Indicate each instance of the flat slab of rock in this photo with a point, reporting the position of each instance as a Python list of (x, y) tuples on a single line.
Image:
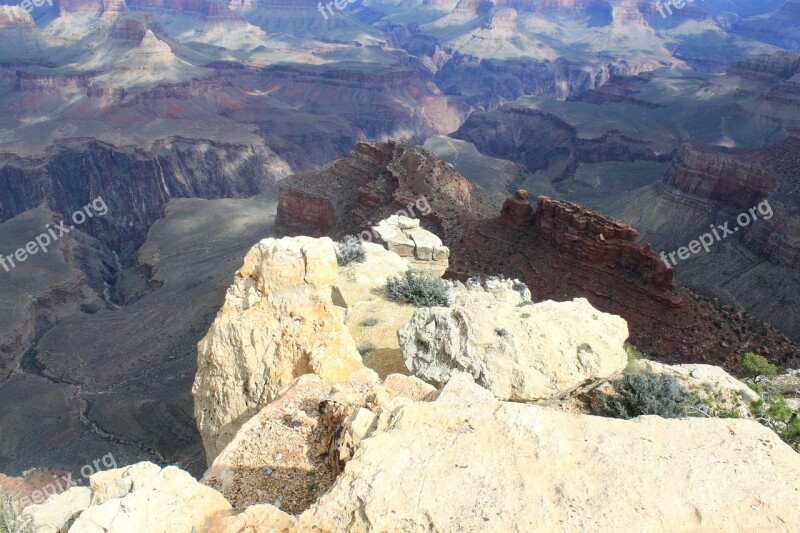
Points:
[(497, 466), (518, 350)]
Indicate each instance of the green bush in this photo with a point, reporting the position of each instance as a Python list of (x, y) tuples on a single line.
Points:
[(369, 322), (634, 354), (350, 250), (418, 289), (773, 411), (645, 393), (756, 365), (9, 521)]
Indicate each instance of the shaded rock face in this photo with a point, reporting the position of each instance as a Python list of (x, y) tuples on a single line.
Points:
[(715, 175), (374, 182), (278, 322), (594, 238), (523, 467), (136, 184), (518, 350)]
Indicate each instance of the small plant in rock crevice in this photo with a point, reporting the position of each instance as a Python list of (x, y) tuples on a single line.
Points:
[(350, 250)]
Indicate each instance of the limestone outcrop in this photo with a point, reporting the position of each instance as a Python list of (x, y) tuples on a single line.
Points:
[(141, 497), (278, 322), (499, 466), (517, 349), (293, 449), (421, 249), (463, 461)]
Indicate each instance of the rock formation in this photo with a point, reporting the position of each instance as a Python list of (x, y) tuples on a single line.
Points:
[(421, 249), (566, 255), (293, 449), (593, 238), (278, 322), (517, 212), (464, 464), (515, 466), (518, 350)]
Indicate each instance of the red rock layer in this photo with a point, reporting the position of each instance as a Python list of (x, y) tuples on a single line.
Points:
[(563, 251)]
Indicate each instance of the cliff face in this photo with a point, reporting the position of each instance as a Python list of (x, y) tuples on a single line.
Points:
[(372, 183), (558, 150), (594, 238), (136, 184), (716, 175)]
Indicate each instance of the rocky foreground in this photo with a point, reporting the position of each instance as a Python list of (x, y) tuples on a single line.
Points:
[(492, 433)]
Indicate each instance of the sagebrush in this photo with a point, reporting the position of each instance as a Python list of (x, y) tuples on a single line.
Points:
[(645, 393), (419, 289), (350, 250)]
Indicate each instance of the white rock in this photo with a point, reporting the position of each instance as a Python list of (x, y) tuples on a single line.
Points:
[(278, 322), (519, 352), (498, 466), (57, 514)]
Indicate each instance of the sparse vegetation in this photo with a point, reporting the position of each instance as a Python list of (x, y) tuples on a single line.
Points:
[(756, 365), (350, 250), (366, 348), (369, 322), (773, 411), (645, 393), (9, 521), (633, 352), (419, 289), (714, 404), (501, 332)]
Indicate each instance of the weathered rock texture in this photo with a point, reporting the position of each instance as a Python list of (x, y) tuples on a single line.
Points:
[(466, 462), (141, 497), (549, 469), (518, 350), (293, 449), (616, 275), (517, 212), (278, 322), (420, 248), (374, 182)]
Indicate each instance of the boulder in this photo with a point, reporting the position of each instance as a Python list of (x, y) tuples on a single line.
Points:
[(420, 248), (145, 497), (488, 465), (278, 322), (518, 350), (58, 513)]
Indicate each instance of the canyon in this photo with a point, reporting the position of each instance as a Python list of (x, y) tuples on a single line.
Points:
[(206, 124)]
